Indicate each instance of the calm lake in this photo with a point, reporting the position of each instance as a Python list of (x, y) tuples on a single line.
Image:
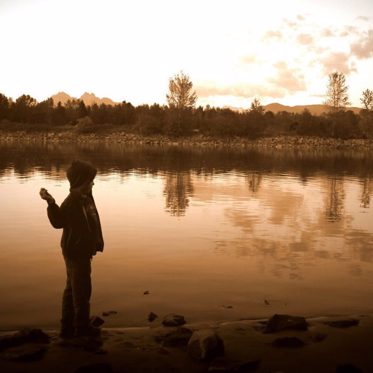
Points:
[(210, 234)]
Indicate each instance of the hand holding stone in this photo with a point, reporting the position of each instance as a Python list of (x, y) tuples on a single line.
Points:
[(46, 196)]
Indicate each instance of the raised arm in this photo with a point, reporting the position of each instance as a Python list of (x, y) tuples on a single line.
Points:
[(55, 213)]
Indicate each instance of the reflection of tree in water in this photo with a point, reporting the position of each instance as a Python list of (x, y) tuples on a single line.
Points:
[(254, 180), (366, 192), (178, 188), (335, 199)]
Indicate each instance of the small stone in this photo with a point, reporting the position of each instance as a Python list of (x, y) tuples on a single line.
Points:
[(173, 319), (205, 344), (228, 307), (266, 302), (152, 316), (95, 368), (346, 323), (288, 342), (109, 313), (285, 322), (146, 292)]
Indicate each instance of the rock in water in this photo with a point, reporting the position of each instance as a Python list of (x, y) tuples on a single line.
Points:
[(205, 344), (109, 313), (285, 322), (152, 316), (173, 320)]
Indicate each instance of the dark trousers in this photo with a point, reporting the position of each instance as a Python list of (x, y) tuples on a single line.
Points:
[(76, 296)]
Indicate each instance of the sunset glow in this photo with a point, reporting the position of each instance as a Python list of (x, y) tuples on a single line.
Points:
[(233, 51)]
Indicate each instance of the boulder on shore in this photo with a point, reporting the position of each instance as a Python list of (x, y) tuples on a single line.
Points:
[(205, 344), (285, 322), (176, 338), (173, 319)]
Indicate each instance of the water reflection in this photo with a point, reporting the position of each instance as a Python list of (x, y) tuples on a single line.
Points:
[(223, 225), (254, 180), (367, 188), (178, 189), (335, 199)]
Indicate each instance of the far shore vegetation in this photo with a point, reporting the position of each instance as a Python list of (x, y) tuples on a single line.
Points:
[(181, 117)]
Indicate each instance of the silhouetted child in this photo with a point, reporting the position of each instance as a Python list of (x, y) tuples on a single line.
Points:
[(81, 239)]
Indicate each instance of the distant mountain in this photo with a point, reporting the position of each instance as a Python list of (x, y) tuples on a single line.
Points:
[(88, 98), (313, 109), (61, 97)]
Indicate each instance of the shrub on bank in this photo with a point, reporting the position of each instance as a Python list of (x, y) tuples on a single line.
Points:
[(27, 114)]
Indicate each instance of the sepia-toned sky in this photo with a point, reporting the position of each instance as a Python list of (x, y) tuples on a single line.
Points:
[(233, 50)]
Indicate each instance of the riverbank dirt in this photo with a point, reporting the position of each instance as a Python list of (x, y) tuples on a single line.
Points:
[(279, 142), (329, 344)]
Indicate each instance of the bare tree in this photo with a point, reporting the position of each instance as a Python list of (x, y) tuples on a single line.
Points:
[(181, 95), (367, 99), (256, 106), (337, 94)]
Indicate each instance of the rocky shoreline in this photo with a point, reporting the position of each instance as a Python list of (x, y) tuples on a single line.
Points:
[(279, 142), (282, 343)]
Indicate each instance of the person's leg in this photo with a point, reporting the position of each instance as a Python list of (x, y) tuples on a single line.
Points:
[(81, 291), (67, 320)]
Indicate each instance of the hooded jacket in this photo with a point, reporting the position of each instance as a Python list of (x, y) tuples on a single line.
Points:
[(82, 235)]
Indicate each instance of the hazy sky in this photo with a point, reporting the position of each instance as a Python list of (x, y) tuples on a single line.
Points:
[(233, 50)]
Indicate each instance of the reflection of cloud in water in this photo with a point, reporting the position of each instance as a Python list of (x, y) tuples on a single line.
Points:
[(287, 227), (361, 244)]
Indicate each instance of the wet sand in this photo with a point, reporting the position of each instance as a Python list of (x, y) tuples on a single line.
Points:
[(246, 349)]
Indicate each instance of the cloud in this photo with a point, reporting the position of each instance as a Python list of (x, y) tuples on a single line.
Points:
[(305, 39), (291, 24), (250, 59), (362, 18), (338, 61), (363, 48), (329, 33), (272, 34), (240, 90), (289, 79), (348, 31), (286, 81)]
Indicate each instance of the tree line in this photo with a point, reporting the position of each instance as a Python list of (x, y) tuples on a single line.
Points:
[(181, 117)]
